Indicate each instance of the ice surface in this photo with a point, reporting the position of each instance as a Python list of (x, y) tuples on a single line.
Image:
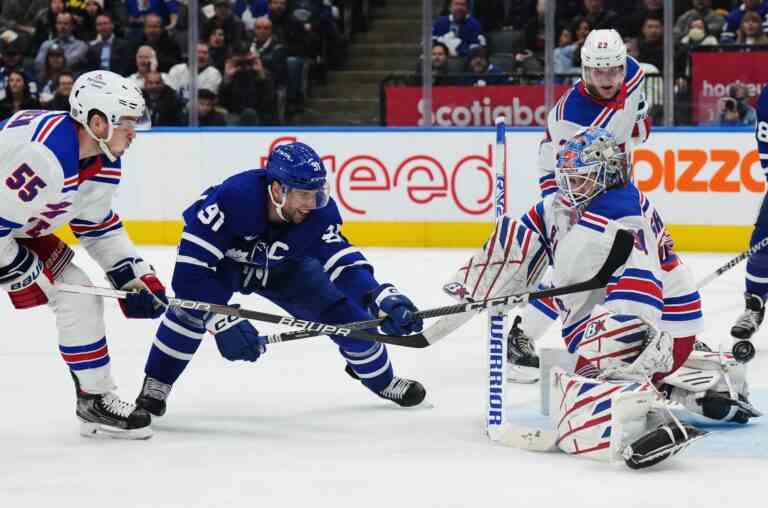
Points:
[(294, 430)]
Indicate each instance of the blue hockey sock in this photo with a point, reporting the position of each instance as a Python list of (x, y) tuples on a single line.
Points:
[(176, 341), (372, 366)]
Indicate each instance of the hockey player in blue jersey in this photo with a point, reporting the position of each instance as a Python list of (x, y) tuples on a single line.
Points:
[(276, 233), (757, 265), (62, 168)]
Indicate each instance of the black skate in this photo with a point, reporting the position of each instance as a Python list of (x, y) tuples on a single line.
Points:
[(659, 444), (153, 395), (401, 391), (107, 414), (521, 356), (750, 320)]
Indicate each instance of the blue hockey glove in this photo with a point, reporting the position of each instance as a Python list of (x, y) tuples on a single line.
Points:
[(399, 310), (147, 298), (236, 338), (241, 277)]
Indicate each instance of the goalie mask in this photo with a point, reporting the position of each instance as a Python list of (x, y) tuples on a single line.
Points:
[(302, 178), (589, 164)]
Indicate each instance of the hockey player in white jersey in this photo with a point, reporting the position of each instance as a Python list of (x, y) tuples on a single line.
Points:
[(610, 96), (627, 355), (59, 168)]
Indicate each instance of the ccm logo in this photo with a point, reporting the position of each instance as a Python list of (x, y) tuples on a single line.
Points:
[(697, 171)]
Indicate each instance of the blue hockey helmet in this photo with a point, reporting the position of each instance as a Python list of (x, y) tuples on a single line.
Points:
[(298, 167), (588, 164)]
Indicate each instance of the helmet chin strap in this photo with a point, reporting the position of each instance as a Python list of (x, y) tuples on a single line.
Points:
[(278, 207), (102, 142)]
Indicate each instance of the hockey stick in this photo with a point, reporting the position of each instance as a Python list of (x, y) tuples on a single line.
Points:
[(733, 262), (618, 255), (620, 250)]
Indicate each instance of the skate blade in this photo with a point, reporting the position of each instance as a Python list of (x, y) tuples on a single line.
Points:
[(97, 430), (522, 375)]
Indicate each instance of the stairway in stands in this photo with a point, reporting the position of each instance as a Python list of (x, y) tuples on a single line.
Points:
[(391, 45)]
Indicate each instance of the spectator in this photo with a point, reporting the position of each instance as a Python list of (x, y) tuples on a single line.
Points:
[(734, 18), (223, 18), (599, 17), (459, 31), (85, 28), (55, 64), (217, 49), (567, 56), (207, 115), (60, 101), (208, 76), (155, 36), (633, 23), (750, 33), (162, 102), (496, 15), (734, 110), (146, 62), (246, 91), (480, 72), (440, 69), (698, 34), (700, 9), (138, 10), (12, 59), (18, 16), (17, 96), (74, 49), (45, 24), (294, 35), (651, 44), (272, 52), (249, 11), (108, 51)]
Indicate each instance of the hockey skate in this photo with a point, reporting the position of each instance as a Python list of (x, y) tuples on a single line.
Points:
[(659, 444), (523, 363), (153, 395), (401, 391), (106, 414), (749, 322)]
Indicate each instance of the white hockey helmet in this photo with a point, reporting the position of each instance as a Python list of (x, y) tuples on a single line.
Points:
[(603, 48), (111, 95)]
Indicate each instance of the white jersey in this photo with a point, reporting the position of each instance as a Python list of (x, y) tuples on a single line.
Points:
[(653, 284), (45, 186), (624, 117)]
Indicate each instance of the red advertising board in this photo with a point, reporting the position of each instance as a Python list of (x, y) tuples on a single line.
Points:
[(469, 106), (712, 74)]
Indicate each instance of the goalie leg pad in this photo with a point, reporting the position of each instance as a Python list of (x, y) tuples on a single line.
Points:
[(595, 419)]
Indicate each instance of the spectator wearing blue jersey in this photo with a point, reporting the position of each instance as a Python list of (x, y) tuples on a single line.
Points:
[(250, 10), (459, 31), (734, 18), (168, 10), (480, 72)]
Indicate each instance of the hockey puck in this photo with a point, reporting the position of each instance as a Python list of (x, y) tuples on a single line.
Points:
[(743, 351)]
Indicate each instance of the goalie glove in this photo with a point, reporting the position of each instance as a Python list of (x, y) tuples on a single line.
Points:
[(236, 338), (146, 299), (27, 280)]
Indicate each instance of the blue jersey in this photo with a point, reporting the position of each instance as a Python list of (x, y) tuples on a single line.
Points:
[(231, 220), (761, 130)]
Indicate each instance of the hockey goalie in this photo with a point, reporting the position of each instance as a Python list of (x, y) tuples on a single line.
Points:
[(630, 362)]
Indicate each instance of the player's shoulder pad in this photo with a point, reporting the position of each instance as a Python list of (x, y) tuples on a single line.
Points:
[(617, 203), (243, 197), (32, 176), (634, 77), (58, 132)]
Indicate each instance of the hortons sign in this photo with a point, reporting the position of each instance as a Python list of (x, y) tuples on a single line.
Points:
[(469, 106)]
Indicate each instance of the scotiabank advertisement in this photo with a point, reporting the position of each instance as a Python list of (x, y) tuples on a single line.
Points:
[(712, 74), (469, 106)]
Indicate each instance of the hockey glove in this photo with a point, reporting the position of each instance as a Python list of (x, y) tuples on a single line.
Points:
[(236, 338), (147, 298), (27, 280), (400, 319)]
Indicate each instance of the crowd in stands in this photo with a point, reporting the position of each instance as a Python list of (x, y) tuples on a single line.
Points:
[(480, 42), (255, 57)]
